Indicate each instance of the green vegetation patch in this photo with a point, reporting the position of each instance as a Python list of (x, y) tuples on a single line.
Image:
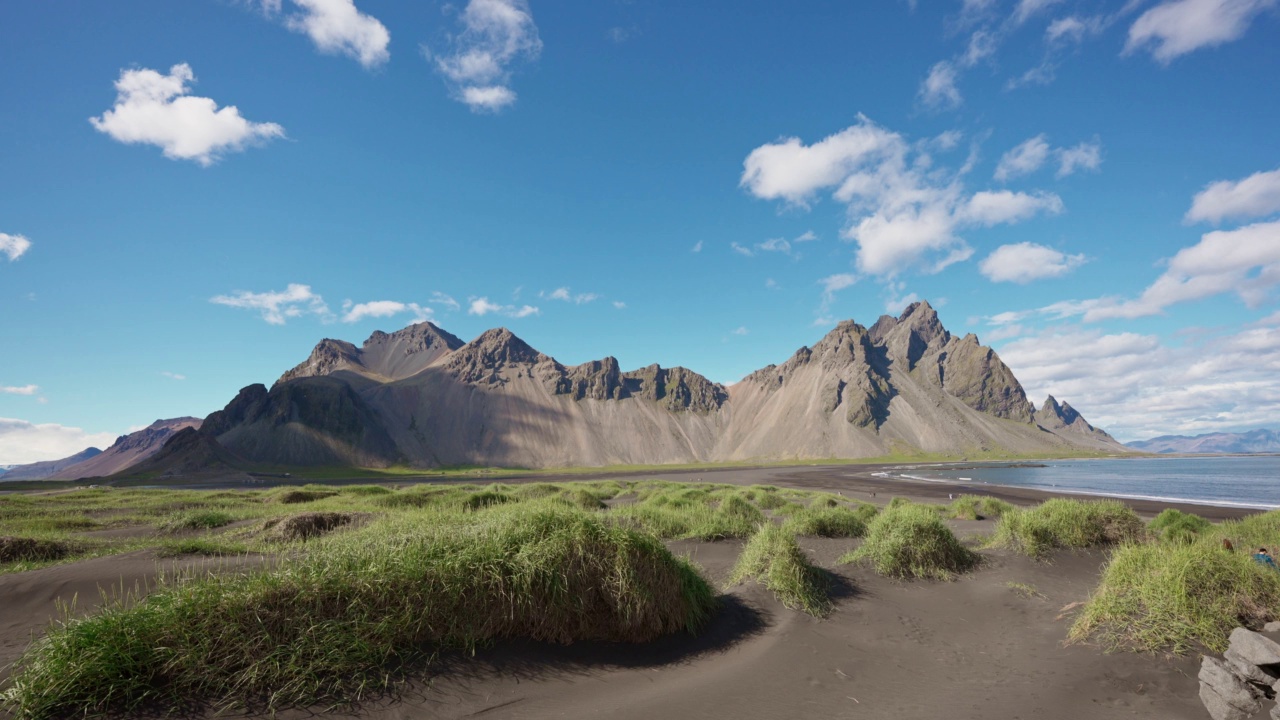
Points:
[(197, 520), (773, 557), (341, 622), (831, 522), (24, 549), (307, 525), (1176, 526), (911, 541), (199, 546), (293, 497), (1062, 523), (1171, 596), (975, 507)]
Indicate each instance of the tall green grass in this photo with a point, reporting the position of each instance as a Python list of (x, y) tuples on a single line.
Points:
[(773, 558), (337, 624), (1173, 525), (1062, 523), (1176, 596), (911, 541)]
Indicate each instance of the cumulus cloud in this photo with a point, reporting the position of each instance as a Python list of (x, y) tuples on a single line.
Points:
[(1255, 196), (481, 306), (1024, 159), (1024, 262), (1178, 27), (355, 312), (1085, 156), (13, 246), (938, 89), (276, 307), (24, 442), (902, 212), (155, 109), (1135, 386), (337, 27), (19, 389), (1244, 261), (495, 35)]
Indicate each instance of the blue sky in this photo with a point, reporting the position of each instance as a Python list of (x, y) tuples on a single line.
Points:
[(195, 193)]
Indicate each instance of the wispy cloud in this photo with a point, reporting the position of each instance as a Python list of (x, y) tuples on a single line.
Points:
[(481, 306), (563, 294), (173, 375), (495, 35), (24, 442), (19, 389), (337, 27), (155, 109), (276, 307), (13, 246)]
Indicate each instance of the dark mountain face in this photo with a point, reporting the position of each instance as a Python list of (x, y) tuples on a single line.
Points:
[(422, 397)]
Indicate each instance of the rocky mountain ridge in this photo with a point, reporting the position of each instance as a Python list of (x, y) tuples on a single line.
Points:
[(421, 397), (1254, 441)]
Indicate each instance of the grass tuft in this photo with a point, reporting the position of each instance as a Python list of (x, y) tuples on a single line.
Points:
[(1173, 525), (909, 541), (307, 525), (1062, 523), (836, 522), (1174, 596), (199, 546), (21, 549), (292, 497), (773, 557), (197, 520)]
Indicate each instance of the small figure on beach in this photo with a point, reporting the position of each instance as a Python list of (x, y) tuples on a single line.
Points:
[(1226, 545), (1264, 558)]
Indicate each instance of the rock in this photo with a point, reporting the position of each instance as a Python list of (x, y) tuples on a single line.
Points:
[(1219, 682), (1273, 626), (1248, 670), (1254, 648), (1218, 707), (1275, 713)]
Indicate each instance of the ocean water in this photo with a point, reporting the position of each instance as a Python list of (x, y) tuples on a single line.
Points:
[(1251, 481)]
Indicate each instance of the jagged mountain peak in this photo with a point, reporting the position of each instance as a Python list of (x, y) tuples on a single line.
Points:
[(426, 334), (384, 355)]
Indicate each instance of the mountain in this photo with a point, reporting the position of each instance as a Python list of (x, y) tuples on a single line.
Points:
[(1255, 441), (48, 468), (423, 398), (127, 450)]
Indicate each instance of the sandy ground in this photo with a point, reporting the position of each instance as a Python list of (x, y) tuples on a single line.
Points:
[(972, 648)]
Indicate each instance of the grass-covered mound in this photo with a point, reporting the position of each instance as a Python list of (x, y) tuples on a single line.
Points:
[(22, 549), (1173, 525), (907, 541), (1170, 596), (1061, 523), (831, 522), (774, 559), (975, 507), (303, 495), (197, 520), (336, 624)]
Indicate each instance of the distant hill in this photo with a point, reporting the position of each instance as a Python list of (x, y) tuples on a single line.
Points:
[(48, 468), (1255, 441), (422, 397), (126, 451)]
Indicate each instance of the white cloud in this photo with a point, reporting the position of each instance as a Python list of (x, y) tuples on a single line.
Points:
[(495, 34), (1085, 156), (155, 109), (775, 245), (276, 307), (895, 305), (741, 330), (807, 236), (742, 250), (1135, 386), (938, 90), (337, 27), (1023, 262), (19, 389), (982, 45), (1005, 207), (13, 246), (355, 312), (564, 295), (833, 284), (619, 305), (1024, 159), (439, 298), (1074, 29), (902, 211), (481, 306), (23, 442), (697, 247), (173, 375), (771, 284), (1026, 9), (1178, 27), (1255, 196), (1244, 261)]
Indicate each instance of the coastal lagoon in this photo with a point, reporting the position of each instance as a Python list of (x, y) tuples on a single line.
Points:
[(1244, 481)]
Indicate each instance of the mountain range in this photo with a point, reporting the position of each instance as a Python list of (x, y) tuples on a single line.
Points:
[(421, 397), (127, 451), (1255, 441)]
